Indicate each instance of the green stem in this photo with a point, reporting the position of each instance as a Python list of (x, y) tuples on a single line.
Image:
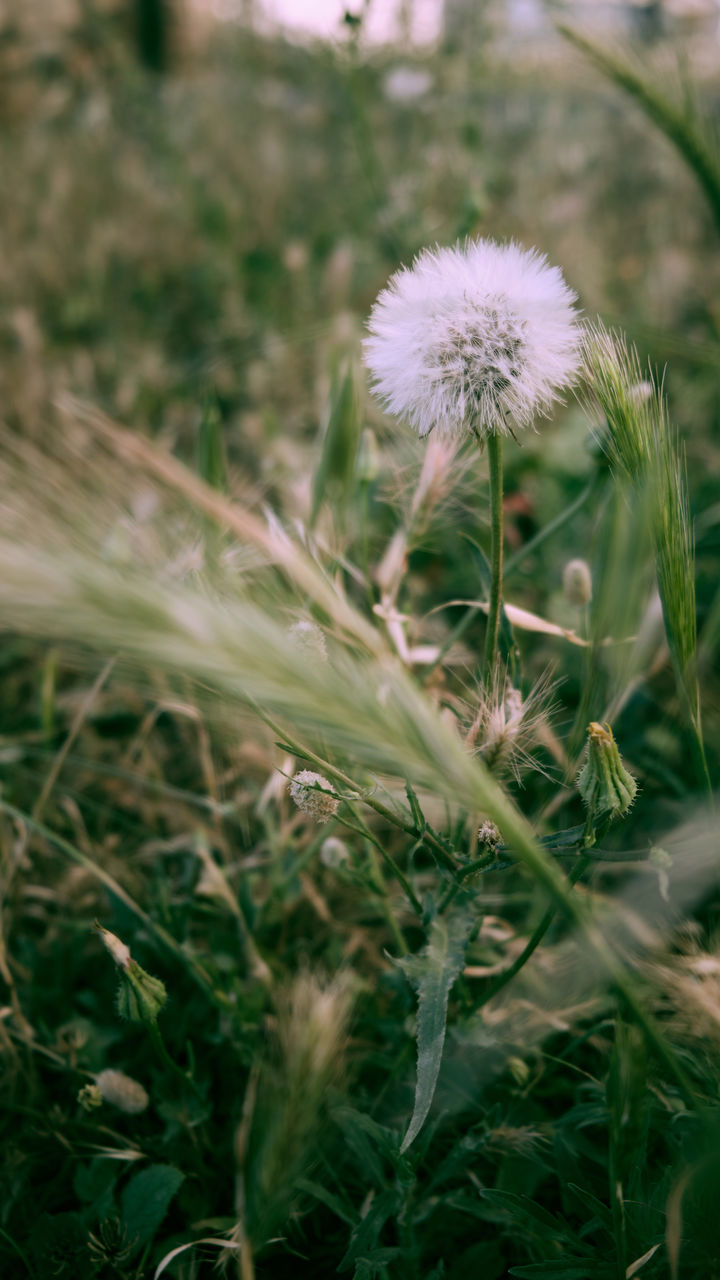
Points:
[(401, 878), (163, 1054), (496, 554), (534, 941), (337, 775)]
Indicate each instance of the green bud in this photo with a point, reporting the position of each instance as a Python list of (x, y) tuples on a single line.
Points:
[(140, 997), (604, 783)]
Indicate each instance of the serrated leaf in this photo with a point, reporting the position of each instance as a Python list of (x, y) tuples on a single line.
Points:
[(433, 973), (146, 1200)]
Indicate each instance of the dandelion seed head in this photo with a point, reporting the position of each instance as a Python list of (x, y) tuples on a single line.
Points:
[(314, 795), (480, 337)]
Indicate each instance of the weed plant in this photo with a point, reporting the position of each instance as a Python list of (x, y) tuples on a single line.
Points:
[(335, 940)]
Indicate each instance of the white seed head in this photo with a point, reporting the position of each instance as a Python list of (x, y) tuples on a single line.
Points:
[(314, 795), (309, 639), (122, 1091), (334, 853), (481, 337), (577, 582), (489, 835)]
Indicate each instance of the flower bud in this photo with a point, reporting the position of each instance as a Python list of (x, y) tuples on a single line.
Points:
[(314, 795), (577, 583), (140, 997), (606, 787)]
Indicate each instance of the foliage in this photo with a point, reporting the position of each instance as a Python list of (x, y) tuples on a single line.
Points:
[(463, 1026)]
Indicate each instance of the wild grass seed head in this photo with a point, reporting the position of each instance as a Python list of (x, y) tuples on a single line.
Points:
[(506, 726), (480, 337)]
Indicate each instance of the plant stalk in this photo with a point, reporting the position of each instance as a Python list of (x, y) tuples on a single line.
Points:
[(496, 554)]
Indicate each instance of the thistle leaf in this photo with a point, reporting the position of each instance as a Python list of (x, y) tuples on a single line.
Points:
[(433, 973)]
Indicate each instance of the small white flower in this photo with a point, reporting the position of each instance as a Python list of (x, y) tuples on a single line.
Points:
[(481, 337), (122, 1091), (314, 795)]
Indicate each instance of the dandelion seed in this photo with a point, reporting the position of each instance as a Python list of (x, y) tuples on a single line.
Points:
[(314, 795), (122, 1091), (478, 337)]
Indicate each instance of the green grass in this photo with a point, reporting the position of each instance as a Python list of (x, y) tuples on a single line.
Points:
[(462, 1027)]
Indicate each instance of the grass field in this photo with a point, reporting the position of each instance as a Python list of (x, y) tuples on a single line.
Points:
[(448, 1010)]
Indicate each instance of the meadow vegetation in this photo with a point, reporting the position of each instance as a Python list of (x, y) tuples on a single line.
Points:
[(325, 949)]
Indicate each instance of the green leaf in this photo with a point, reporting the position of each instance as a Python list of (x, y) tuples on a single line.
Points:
[(364, 1238), (146, 1200), (332, 1202), (433, 973), (565, 1269)]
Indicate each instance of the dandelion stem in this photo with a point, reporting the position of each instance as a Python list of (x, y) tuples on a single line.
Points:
[(496, 552)]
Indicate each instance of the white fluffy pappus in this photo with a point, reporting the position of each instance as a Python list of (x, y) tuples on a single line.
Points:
[(479, 337)]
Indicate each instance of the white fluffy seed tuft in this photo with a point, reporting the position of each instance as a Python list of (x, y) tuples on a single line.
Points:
[(122, 1091), (480, 337), (314, 795)]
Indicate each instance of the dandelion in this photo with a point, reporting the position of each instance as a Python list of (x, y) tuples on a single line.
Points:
[(479, 338), (314, 795)]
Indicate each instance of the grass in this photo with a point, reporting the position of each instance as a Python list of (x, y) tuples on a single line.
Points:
[(463, 1025)]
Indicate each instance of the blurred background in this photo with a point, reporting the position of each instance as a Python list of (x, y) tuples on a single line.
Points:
[(205, 195)]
